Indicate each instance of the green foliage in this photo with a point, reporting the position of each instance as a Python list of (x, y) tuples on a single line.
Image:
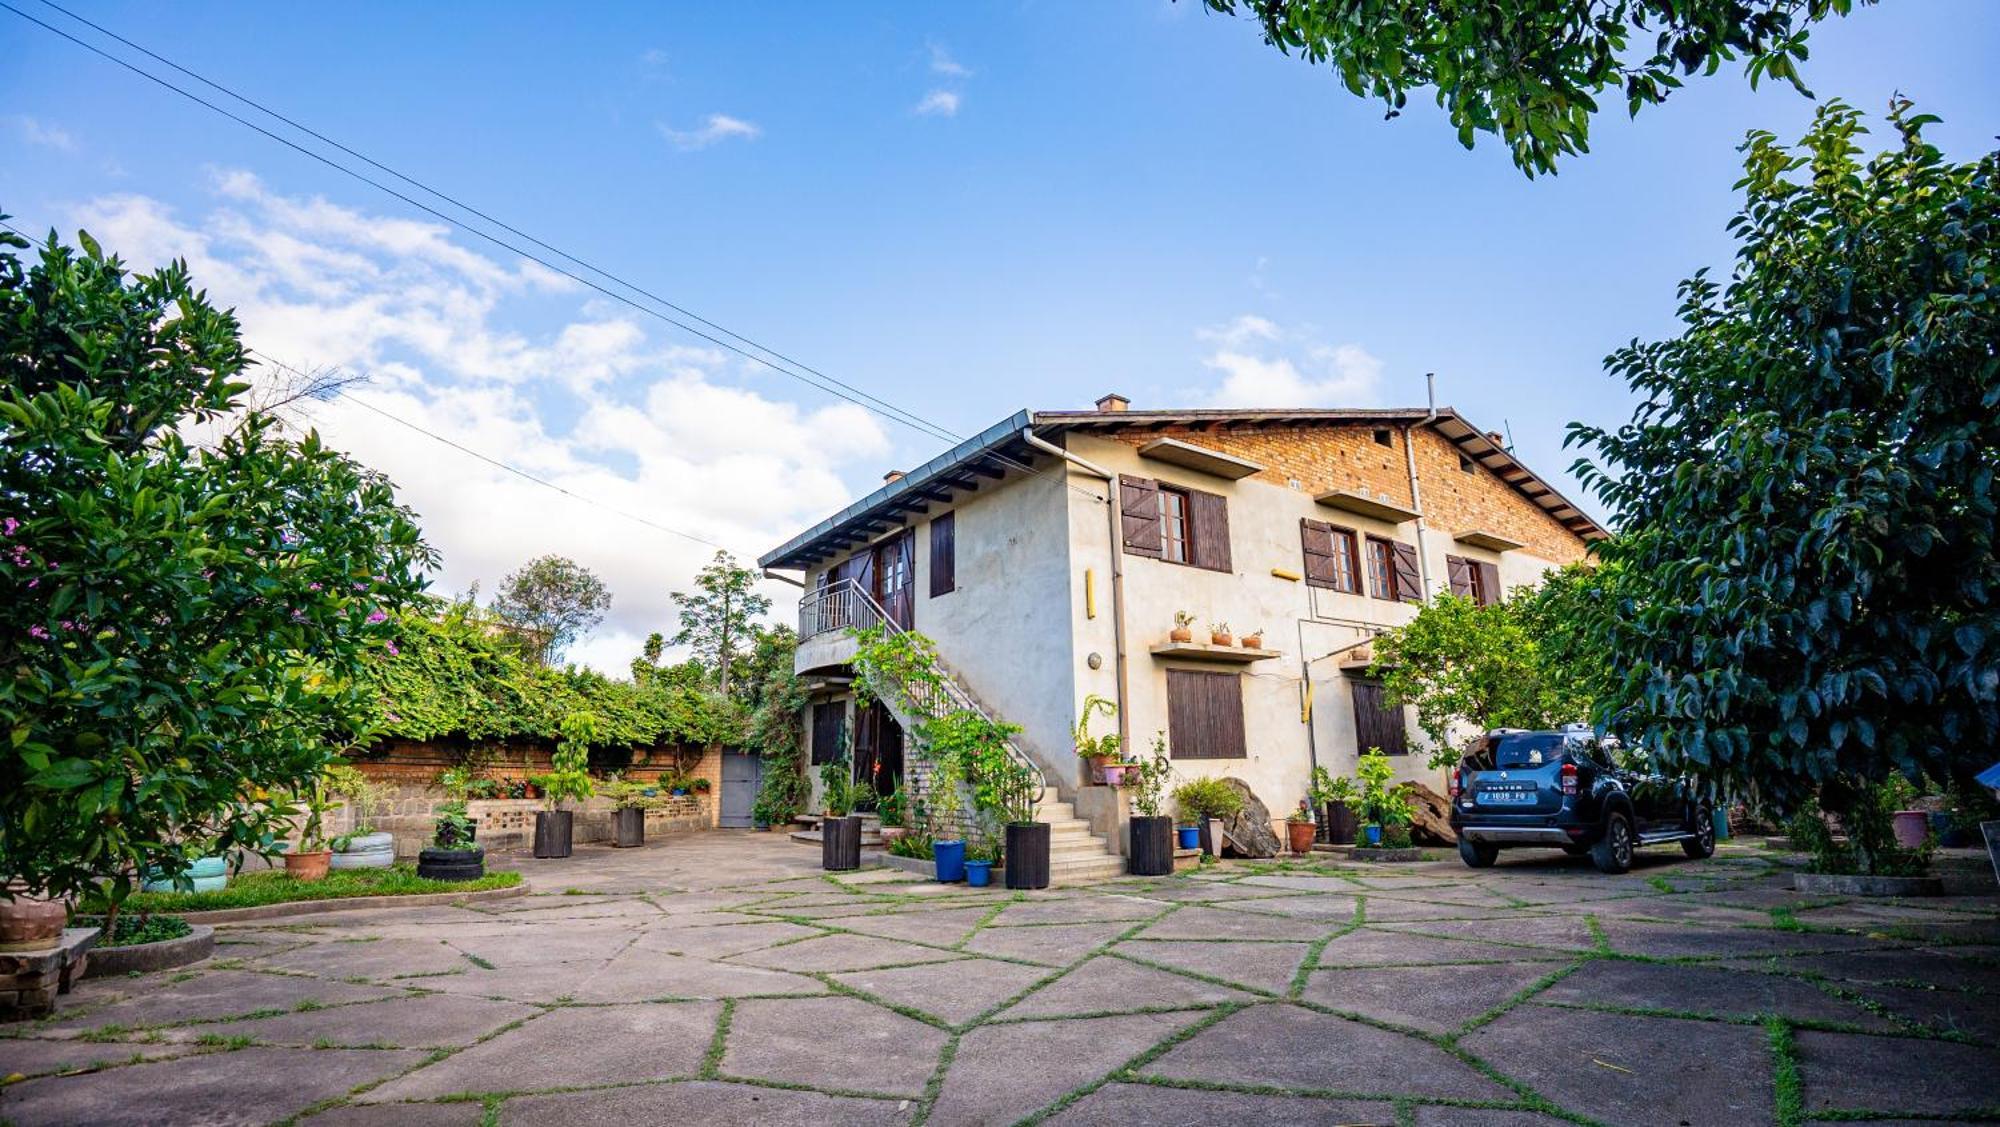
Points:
[(916, 843), (900, 669), (840, 792), (1148, 780), (1532, 71), (453, 828), (1377, 802), (454, 676), (1207, 798), (777, 732), (251, 890), (570, 779), (717, 617), (890, 808), (1327, 790), (554, 600), (1464, 664), (130, 930), (1870, 845), (181, 624), (1088, 746), (1804, 592)]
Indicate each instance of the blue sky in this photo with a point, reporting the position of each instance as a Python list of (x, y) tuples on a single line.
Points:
[(964, 209)]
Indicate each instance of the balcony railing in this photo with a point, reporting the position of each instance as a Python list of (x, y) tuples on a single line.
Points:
[(835, 608)]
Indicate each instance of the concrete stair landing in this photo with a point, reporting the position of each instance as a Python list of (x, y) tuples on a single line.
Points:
[(1076, 856)]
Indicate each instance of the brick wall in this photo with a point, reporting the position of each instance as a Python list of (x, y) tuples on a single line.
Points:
[(1328, 456)]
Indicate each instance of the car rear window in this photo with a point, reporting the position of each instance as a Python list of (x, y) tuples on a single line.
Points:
[(1527, 749)]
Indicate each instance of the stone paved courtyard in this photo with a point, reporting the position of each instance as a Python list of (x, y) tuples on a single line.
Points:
[(720, 978)]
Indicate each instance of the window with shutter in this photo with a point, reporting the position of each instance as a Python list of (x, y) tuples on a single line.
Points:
[(1489, 583), (1377, 723), (1464, 578), (1381, 571), (1205, 715), (944, 554), (1409, 580), (1208, 521), (1175, 544), (828, 720), (1139, 515), (1330, 556)]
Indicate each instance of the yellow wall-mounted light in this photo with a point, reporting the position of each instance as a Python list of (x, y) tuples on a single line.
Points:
[(1090, 592), (1286, 573)]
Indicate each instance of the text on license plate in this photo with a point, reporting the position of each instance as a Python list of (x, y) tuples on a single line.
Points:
[(1506, 797)]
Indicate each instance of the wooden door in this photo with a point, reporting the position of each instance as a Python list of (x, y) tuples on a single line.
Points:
[(1377, 723)]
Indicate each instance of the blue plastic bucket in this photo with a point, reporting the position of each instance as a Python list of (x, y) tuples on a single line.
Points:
[(1190, 837), (950, 858), (979, 874), (1374, 836), (1721, 824)]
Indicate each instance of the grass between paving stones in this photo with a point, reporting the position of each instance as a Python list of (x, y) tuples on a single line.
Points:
[(254, 890), (1787, 1090), (1311, 962), (711, 1061), (137, 929)]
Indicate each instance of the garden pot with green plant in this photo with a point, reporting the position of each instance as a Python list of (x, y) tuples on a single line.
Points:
[(1183, 630), (1300, 829), (452, 854), (1151, 849), (840, 829), (890, 813), (1205, 801), (629, 803), (1098, 754), (312, 857), (1330, 798), (960, 744), (1219, 635), (979, 861), (568, 782), (362, 846), (1384, 810)]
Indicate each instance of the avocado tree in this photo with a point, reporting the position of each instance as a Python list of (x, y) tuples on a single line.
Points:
[(188, 594), (1532, 71), (1804, 597)]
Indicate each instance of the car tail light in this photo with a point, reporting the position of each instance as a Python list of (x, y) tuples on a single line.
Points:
[(1569, 778), (1457, 783)]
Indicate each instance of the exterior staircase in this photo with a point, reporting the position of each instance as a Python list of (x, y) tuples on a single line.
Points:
[(1076, 856)]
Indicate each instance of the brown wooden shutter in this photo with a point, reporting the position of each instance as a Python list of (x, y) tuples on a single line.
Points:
[(1139, 513), (944, 554), (1460, 573), (1316, 537), (1208, 517), (828, 718), (1489, 583), (1205, 715), (1409, 581), (1377, 723)]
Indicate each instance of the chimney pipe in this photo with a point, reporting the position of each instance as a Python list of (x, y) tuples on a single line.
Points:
[(891, 476), (1113, 402)]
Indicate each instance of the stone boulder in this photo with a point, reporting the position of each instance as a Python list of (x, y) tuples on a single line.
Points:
[(1249, 833)]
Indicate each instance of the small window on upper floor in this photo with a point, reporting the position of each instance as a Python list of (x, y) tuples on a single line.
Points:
[(1383, 437), (1465, 463)]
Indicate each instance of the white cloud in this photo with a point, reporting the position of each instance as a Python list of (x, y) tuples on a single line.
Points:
[(601, 404), (938, 103), (48, 136), (718, 127), (943, 63), (1265, 365), (653, 57)]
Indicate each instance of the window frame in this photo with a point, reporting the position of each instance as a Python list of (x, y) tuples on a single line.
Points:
[(1199, 718), (1172, 498), (944, 580), (1382, 579)]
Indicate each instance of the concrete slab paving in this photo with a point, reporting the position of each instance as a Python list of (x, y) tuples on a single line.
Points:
[(1709, 990), (710, 1103), (1117, 1105), (841, 1043), (220, 994), (439, 1022), (1853, 1071), (721, 942), (26, 1056), (941, 928), (1643, 1071), (1265, 967), (1560, 933), (1371, 947), (263, 1085), (571, 1047), (954, 992), (1431, 999), (1107, 985), (1055, 945), (1241, 922), (1002, 1073), (1286, 1046), (400, 1115)]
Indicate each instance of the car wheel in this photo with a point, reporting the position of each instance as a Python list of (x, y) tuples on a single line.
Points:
[(1613, 852), (1477, 855), (1575, 849), (1702, 844)]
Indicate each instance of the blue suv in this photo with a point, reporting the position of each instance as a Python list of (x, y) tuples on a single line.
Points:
[(1571, 790)]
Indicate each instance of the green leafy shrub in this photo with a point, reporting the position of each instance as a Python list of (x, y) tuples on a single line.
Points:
[(1149, 779), (132, 930), (1205, 797), (1377, 802)]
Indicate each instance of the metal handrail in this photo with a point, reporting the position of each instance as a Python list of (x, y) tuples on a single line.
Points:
[(845, 605)]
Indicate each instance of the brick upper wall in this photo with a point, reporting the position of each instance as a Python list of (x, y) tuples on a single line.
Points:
[(1327, 456)]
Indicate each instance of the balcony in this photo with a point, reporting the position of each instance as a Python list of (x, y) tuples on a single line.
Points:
[(825, 617)]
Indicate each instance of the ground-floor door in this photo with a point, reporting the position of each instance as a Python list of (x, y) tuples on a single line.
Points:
[(878, 750), (741, 775)]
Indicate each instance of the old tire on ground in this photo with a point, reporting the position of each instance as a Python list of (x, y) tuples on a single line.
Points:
[(1702, 844), (1477, 854), (451, 864), (1613, 852)]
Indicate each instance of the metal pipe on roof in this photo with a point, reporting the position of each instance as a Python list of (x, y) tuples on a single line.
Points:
[(1029, 436)]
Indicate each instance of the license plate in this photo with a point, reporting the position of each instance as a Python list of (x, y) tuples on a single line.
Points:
[(1506, 797)]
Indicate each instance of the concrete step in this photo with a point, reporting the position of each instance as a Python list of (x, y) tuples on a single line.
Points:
[(869, 840)]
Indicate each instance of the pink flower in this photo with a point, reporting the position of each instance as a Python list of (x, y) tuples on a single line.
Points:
[(32, 583), (8, 525), (393, 651), (38, 632), (69, 624), (312, 586), (376, 616)]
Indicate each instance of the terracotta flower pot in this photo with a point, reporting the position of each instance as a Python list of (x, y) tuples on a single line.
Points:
[(1912, 828), (1222, 639), (308, 864), (1254, 642), (1181, 634), (1301, 834), (31, 925)]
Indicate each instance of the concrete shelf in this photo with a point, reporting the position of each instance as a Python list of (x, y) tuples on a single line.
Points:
[(1202, 651), (1361, 504)]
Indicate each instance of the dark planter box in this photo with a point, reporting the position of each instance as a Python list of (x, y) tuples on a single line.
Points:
[(1337, 823), (452, 864), (629, 828), (1028, 855), (840, 843), (1152, 846), (552, 832)]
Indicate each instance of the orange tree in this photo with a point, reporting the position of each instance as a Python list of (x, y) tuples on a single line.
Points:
[(181, 622)]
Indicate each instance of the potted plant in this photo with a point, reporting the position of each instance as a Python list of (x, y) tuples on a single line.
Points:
[(979, 862), (1183, 630), (1151, 853), (946, 804), (569, 782), (840, 829), (1377, 803), (629, 804), (1204, 800), (310, 860), (1114, 773), (1299, 827), (700, 785), (889, 811), (1254, 640), (1096, 752), (452, 855), (362, 846), (1188, 835), (1332, 798), (968, 751), (1027, 846), (1218, 634)]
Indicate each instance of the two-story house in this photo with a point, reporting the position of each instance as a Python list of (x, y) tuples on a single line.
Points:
[(1047, 558)]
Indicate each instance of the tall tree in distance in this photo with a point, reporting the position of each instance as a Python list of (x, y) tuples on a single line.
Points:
[(1806, 594), (1532, 71), (555, 599), (717, 617)]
